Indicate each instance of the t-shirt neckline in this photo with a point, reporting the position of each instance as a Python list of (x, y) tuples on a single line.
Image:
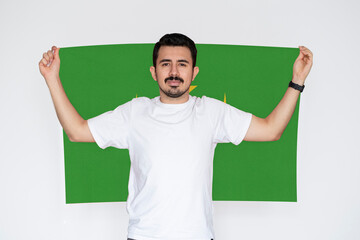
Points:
[(174, 105)]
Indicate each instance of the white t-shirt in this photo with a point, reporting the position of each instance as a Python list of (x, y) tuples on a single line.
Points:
[(171, 149)]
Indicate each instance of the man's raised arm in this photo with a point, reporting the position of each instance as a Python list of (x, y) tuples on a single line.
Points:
[(74, 125), (272, 127)]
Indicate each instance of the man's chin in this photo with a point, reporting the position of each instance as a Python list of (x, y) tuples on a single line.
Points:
[(174, 94)]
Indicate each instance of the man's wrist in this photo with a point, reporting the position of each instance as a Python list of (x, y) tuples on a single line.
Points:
[(298, 81), (296, 86), (53, 81)]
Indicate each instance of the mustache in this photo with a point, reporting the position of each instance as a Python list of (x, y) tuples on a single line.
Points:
[(174, 78)]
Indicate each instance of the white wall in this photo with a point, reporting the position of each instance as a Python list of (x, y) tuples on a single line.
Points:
[(32, 202)]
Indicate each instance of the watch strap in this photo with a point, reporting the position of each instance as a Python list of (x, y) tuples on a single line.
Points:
[(296, 86)]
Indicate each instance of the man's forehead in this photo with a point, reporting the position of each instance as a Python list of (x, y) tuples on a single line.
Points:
[(174, 52)]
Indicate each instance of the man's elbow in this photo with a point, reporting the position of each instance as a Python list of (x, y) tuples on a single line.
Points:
[(81, 134), (276, 137), (273, 135), (77, 137), (72, 138)]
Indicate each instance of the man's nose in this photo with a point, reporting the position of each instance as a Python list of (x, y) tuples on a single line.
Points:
[(174, 70)]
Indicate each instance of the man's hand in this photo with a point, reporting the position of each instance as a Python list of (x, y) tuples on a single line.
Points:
[(302, 65), (49, 65)]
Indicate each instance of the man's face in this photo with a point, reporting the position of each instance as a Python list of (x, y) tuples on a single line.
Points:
[(174, 72)]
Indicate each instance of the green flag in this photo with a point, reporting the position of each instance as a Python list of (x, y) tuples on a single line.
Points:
[(254, 79)]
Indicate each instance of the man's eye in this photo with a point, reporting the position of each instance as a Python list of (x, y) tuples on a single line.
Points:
[(165, 64), (183, 64)]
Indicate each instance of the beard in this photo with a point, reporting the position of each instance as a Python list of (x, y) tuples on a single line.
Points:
[(174, 91)]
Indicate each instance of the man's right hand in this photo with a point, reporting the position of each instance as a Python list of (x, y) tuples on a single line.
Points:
[(49, 65)]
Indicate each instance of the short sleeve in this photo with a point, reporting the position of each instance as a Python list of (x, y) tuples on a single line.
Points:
[(111, 129), (231, 124)]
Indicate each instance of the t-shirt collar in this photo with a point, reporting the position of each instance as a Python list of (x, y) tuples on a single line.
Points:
[(172, 105)]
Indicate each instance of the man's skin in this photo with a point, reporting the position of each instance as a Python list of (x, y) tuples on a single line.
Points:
[(175, 61)]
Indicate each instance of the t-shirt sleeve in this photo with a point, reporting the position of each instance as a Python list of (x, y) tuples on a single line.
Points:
[(111, 129), (231, 124)]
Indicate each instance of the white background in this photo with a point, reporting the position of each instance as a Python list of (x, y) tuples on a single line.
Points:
[(32, 190)]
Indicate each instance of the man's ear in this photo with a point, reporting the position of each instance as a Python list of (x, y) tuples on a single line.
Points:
[(153, 72), (195, 72)]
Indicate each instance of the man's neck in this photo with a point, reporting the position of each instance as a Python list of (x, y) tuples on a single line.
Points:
[(169, 100)]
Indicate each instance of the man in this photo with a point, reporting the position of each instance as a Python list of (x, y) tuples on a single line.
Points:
[(171, 139)]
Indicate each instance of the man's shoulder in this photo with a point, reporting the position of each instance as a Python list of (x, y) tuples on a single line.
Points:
[(210, 101), (140, 102)]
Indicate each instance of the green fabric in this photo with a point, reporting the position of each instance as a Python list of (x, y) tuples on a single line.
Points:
[(254, 79)]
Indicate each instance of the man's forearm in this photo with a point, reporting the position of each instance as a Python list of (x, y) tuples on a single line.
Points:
[(281, 115), (69, 118)]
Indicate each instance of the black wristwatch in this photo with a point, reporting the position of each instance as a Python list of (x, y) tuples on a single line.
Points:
[(296, 86)]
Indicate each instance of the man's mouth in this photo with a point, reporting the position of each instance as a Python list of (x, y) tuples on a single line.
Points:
[(174, 81)]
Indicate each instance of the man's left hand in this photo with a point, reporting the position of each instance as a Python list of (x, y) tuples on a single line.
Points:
[(302, 65)]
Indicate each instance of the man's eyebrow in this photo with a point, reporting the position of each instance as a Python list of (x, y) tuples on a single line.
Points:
[(165, 60), (168, 60), (183, 60)]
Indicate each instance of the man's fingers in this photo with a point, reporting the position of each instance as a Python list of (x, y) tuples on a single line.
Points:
[(301, 55), (305, 50), (47, 60), (46, 56), (305, 54), (56, 52), (308, 55), (50, 54), (44, 61)]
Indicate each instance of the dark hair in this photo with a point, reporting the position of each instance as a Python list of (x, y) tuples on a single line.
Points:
[(175, 39)]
